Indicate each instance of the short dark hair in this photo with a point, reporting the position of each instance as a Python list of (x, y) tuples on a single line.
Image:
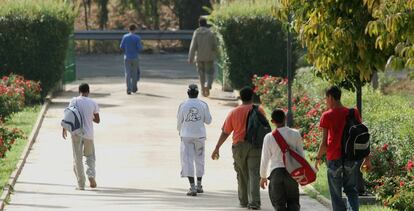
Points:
[(202, 21), (192, 91), (246, 94), (278, 116), (84, 88), (334, 92), (132, 27)]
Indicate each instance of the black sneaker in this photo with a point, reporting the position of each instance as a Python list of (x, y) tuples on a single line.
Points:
[(192, 192), (200, 189)]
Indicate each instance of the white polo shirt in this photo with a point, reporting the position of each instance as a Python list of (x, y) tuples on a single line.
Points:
[(87, 108)]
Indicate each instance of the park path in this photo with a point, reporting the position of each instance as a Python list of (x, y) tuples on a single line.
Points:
[(137, 150)]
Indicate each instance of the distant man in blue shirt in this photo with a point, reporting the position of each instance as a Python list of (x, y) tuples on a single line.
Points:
[(131, 45)]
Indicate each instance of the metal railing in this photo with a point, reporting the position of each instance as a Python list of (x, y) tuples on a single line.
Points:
[(145, 35)]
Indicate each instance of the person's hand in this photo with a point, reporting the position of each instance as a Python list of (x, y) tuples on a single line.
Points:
[(263, 183), (215, 154), (317, 163), (64, 133), (366, 165)]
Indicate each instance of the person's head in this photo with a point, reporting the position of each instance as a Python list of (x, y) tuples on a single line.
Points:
[(333, 96), (278, 117), (246, 94), (132, 27), (84, 89), (202, 21), (192, 91)]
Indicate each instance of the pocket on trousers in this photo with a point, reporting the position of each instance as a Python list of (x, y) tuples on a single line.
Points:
[(335, 168)]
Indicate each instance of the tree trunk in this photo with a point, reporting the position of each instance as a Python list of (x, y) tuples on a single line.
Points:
[(359, 97)]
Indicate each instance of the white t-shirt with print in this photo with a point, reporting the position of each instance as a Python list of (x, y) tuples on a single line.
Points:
[(192, 115), (87, 108)]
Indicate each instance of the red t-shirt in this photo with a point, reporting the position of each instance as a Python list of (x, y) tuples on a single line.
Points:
[(334, 121)]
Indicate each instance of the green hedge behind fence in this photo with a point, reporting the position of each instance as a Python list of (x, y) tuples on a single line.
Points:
[(254, 41), (34, 39)]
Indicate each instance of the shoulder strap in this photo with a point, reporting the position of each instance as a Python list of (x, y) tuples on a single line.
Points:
[(351, 113), (280, 140)]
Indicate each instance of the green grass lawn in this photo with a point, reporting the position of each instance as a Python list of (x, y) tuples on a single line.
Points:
[(321, 185), (25, 121)]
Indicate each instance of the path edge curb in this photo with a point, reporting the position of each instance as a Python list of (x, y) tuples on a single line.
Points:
[(8, 188), (318, 196)]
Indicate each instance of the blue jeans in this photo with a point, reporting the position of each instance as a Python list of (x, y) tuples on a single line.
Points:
[(132, 74), (343, 175)]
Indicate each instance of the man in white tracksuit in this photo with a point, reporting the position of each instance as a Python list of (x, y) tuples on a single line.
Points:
[(192, 115)]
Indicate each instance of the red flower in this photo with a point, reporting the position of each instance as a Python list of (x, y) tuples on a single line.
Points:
[(410, 165), (402, 183), (256, 88), (385, 147)]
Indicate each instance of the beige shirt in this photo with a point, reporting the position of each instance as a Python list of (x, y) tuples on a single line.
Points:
[(272, 153), (203, 46)]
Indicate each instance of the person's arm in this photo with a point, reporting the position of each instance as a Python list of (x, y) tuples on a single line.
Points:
[(179, 119), (96, 118), (207, 115), (64, 133), (220, 142), (299, 145), (264, 162), (193, 48), (122, 45), (322, 148), (139, 44)]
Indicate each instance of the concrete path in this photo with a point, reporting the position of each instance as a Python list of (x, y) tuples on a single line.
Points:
[(137, 150)]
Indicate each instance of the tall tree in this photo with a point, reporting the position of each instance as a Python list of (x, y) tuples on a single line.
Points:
[(333, 33), (103, 13), (188, 12), (393, 27)]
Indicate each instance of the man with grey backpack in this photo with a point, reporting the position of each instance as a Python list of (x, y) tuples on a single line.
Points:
[(78, 121)]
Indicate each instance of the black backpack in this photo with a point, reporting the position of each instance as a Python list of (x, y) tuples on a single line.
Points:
[(257, 127), (355, 139)]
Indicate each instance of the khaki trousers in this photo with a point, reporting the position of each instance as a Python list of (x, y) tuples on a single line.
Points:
[(206, 73), (83, 147), (247, 165)]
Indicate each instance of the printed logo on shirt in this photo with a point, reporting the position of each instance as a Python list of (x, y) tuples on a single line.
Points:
[(193, 115)]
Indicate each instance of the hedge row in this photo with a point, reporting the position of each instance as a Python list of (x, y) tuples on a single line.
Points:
[(254, 42), (34, 39)]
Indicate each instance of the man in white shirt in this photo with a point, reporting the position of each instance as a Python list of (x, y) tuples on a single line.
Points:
[(283, 189), (83, 145), (192, 115)]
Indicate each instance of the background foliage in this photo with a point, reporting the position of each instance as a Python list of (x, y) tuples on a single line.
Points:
[(34, 38), (254, 41)]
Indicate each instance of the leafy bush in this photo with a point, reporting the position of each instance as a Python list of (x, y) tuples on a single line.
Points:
[(7, 138), (254, 41), (16, 92), (34, 39)]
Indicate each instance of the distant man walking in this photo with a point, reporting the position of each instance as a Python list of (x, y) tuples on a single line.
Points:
[(246, 156), (203, 50), (131, 45), (83, 145), (192, 115)]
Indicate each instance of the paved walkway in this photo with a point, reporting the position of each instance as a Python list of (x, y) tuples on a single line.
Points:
[(137, 149)]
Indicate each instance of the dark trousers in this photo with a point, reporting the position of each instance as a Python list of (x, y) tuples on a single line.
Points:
[(283, 191)]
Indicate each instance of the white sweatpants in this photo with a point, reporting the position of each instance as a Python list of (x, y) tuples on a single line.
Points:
[(192, 152)]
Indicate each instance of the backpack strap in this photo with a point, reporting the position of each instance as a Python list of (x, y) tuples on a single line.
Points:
[(280, 141)]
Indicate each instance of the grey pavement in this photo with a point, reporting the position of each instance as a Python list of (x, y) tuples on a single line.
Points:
[(137, 150)]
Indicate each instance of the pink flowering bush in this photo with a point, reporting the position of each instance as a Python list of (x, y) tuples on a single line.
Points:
[(15, 93), (307, 110), (8, 138)]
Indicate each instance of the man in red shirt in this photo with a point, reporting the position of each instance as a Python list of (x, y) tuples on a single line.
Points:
[(246, 156), (342, 174)]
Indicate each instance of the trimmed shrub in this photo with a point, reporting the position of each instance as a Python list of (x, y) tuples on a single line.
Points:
[(34, 39), (254, 41)]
